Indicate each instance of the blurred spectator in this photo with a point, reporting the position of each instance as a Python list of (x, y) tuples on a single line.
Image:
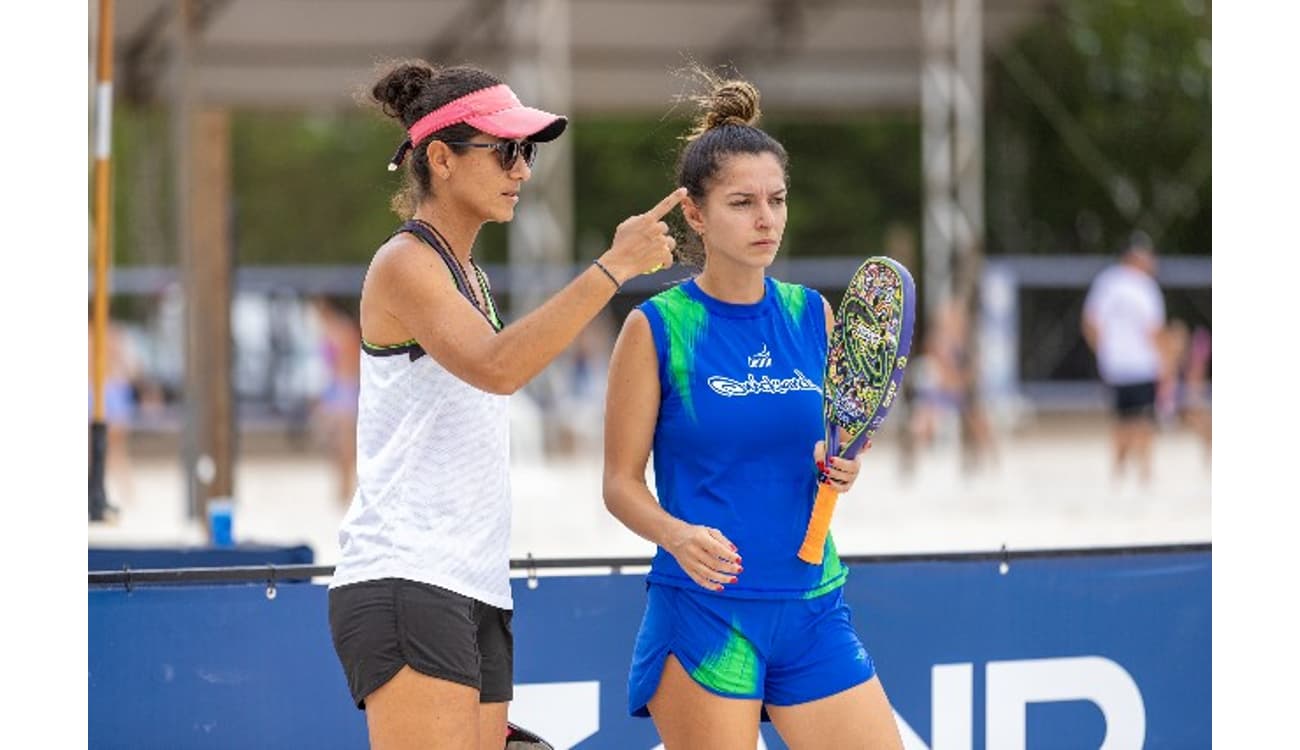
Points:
[(1123, 321), (1196, 409), (945, 380), (119, 405), (934, 408), (336, 408), (1183, 395), (1173, 343), (580, 409)]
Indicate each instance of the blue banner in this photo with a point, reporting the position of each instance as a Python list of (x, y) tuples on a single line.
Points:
[(1070, 651)]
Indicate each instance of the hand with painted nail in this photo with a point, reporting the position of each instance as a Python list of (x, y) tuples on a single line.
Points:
[(643, 243), (841, 473), (708, 557)]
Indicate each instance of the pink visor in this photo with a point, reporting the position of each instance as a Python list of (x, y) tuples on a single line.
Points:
[(495, 111)]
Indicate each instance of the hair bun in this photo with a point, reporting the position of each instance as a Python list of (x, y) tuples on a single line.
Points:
[(732, 103), (398, 90), (728, 102)]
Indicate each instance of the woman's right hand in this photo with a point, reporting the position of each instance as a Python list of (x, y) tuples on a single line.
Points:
[(708, 557), (642, 243)]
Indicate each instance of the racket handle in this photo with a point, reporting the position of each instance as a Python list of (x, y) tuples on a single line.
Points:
[(819, 525)]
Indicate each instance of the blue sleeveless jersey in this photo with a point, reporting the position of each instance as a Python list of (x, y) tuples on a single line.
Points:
[(739, 414)]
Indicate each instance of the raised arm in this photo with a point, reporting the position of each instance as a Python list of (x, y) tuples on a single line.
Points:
[(418, 294)]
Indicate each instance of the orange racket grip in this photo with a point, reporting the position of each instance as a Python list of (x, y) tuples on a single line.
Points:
[(814, 541)]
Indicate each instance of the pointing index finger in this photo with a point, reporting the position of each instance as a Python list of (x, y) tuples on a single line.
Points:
[(662, 208)]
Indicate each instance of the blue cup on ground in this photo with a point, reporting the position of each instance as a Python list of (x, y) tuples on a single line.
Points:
[(221, 520)]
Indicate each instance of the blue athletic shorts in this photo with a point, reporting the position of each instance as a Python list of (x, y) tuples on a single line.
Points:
[(780, 651)]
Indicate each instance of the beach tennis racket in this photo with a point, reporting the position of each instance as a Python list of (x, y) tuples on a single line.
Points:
[(518, 738), (865, 360)]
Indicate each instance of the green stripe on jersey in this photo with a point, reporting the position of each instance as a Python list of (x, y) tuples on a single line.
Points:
[(684, 320)]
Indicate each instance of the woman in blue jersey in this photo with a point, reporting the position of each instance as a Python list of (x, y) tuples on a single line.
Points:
[(720, 378), (420, 604)]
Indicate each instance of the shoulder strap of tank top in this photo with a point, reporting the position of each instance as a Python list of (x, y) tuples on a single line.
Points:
[(435, 241)]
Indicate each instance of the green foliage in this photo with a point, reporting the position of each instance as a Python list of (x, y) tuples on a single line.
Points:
[(312, 189), (849, 179), (142, 193), (621, 166), (1098, 123)]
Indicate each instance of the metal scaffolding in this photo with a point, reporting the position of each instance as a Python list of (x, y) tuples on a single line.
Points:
[(952, 112), (541, 235)]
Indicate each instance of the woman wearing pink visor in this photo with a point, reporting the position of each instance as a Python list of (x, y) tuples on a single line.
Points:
[(420, 601)]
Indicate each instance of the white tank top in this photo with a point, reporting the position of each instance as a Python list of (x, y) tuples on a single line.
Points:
[(433, 482)]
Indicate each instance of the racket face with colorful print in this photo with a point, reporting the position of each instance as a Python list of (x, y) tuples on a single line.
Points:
[(865, 361), (867, 353)]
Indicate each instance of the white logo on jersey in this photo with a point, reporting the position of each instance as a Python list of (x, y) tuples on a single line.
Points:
[(724, 386), (762, 359)]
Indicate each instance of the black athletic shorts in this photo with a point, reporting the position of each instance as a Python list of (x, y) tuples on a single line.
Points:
[(1136, 401), (380, 626)]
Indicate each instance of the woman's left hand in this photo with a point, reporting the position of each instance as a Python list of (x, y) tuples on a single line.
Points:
[(840, 473)]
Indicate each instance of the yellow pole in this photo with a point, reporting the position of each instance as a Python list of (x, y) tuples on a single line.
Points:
[(98, 502)]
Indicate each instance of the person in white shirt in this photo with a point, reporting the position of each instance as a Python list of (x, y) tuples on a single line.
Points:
[(420, 605), (1123, 316)]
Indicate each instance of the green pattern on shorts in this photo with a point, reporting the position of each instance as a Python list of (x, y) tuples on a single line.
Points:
[(731, 669)]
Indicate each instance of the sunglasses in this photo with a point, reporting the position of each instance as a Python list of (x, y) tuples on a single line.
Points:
[(508, 151)]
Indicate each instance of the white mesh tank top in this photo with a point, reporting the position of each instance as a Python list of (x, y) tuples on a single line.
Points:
[(433, 470), (433, 482)]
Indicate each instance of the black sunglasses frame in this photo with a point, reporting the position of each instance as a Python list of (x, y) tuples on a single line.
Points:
[(508, 152)]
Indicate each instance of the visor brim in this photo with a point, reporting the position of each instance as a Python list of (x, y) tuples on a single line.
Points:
[(521, 122)]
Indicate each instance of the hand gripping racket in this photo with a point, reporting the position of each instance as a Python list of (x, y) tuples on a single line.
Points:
[(865, 359)]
